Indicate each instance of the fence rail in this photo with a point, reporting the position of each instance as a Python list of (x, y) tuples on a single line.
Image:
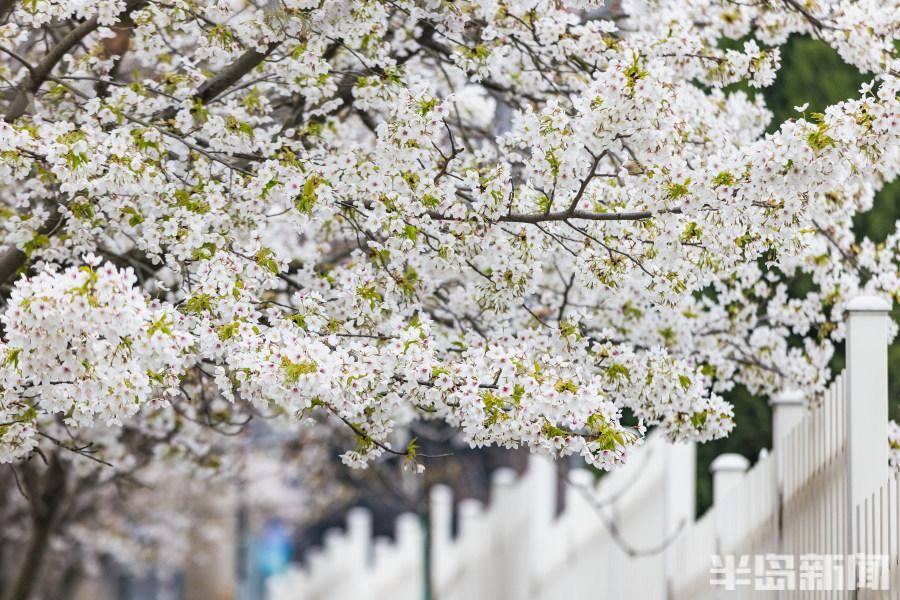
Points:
[(819, 510)]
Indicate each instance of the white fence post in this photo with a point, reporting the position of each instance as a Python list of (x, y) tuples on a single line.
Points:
[(441, 533), (788, 408), (508, 514), (316, 561), (867, 415), (727, 471), (680, 490), (359, 549), (542, 484), (335, 545), (541, 488), (382, 559), (475, 535), (359, 533), (409, 542), (578, 545), (680, 484)]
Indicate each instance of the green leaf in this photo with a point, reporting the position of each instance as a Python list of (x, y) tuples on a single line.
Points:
[(294, 371), (265, 259), (161, 325), (307, 200), (198, 303), (617, 371), (12, 357)]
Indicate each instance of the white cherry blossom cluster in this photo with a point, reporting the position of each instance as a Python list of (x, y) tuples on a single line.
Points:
[(548, 224), (85, 344)]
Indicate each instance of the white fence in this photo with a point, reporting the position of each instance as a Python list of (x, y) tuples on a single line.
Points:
[(807, 510), (817, 508), (517, 547)]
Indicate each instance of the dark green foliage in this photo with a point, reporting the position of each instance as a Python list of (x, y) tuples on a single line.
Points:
[(810, 72), (752, 433)]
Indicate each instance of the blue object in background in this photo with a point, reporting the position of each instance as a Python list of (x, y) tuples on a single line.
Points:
[(273, 549)]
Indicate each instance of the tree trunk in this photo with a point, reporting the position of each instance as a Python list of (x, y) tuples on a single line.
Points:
[(45, 502), (71, 580)]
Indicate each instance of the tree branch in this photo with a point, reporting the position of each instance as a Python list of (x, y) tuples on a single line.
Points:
[(6, 7), (225, 78), (565, 215), (39, 74), (12, 259), (45, 502)]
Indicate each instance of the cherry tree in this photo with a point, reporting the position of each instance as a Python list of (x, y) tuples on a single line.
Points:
[(549, 224)]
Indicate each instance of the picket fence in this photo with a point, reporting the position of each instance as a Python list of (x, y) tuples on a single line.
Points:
[(818, 511)]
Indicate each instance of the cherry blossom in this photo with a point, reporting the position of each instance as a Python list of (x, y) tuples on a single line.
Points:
[(548, 224)]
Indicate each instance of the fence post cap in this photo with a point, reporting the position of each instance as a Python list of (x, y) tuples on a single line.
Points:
[(470, 507), (868, 304), (441, 494), (729, 462), (788, 397), (503, 476), (359, 513), (407, 519), (406, 527), (471, 510), (581, 478), (314, 558), (332, 538), (359, 518)]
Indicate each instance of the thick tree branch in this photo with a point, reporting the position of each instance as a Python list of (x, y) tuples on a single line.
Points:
[(6, 7), (40, 72), (12, 259), (577, 215), (45, 501), (224, 79)]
